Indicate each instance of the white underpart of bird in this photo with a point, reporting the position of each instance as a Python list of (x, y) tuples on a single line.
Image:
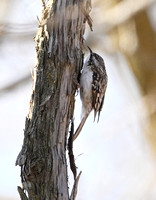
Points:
[(93, 83), (86, 88)]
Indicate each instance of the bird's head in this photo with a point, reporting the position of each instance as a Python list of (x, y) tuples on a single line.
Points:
[(95, 59)]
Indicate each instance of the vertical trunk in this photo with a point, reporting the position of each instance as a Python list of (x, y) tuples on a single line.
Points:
[(59, 61)]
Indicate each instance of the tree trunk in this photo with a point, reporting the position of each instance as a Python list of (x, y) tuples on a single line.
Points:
[(59, 61)]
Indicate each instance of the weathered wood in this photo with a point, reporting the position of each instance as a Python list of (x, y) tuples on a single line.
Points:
[(59, 61)]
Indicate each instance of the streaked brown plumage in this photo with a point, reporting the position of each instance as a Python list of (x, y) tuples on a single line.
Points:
[(93, 83)]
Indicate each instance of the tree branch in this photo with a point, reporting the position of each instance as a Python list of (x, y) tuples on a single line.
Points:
[(43, 155)]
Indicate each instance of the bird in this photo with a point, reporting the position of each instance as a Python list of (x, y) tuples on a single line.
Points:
[(93, 84)]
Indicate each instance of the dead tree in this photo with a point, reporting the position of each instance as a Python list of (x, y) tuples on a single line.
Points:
[(59, 50)]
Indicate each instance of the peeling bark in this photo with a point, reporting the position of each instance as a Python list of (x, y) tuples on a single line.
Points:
[(59, 61)]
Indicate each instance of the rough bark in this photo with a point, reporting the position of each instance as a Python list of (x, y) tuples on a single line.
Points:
[(59, 61)]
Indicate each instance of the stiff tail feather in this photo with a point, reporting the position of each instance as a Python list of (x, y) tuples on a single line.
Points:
[(80, 127)]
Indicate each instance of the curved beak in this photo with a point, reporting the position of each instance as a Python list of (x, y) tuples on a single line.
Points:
[(90, 50)]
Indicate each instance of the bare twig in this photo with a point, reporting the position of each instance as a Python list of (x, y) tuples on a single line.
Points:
[(44, 5), (74, 190), (70, 151), (22, 194)]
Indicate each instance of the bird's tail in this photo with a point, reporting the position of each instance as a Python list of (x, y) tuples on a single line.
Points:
[(80, 127)]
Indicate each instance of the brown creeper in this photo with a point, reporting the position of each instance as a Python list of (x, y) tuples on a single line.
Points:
[(93, 83)]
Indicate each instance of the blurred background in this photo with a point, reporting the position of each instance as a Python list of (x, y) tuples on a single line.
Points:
[(117, 156)]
